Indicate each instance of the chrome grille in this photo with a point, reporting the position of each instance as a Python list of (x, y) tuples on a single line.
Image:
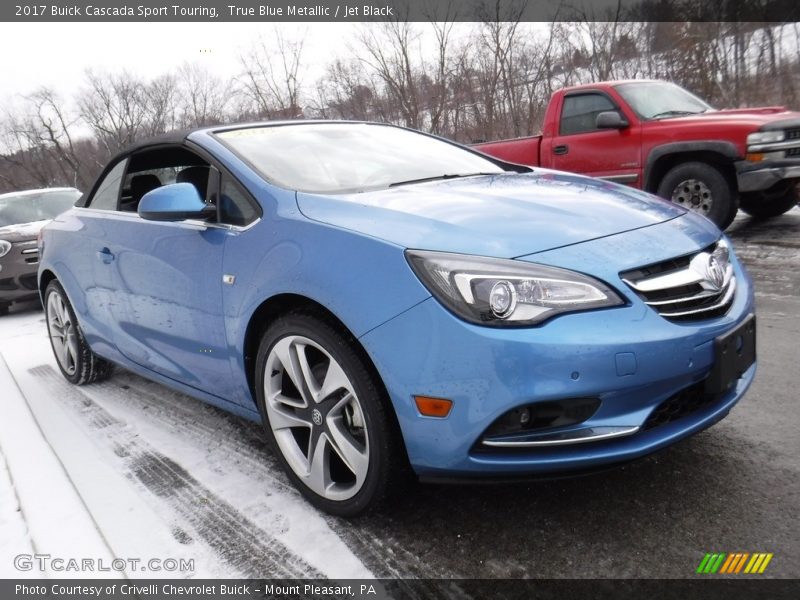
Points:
[(793, 134), (699, 286)]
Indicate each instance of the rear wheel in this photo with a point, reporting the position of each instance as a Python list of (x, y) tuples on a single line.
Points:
[(326, 415), (773, 202), (75, 359), (703, 189), (4, 309)]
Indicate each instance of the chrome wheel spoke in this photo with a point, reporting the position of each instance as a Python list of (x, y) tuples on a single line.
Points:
[(310, 383), (319, 467), (71, 347), (284, 418), (354, 456), (335, 380), (63, 333), (286, 354)]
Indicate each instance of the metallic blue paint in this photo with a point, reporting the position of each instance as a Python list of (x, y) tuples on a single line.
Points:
[(156, 303), (504, 216), (172, 202)]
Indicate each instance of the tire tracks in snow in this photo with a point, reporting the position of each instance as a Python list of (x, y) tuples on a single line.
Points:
[(234, 538), (233, 442), (230, 442)]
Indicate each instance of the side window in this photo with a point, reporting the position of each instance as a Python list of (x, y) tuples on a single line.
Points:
[(234, 206), (152, 168), (579, 113), (107, 194)]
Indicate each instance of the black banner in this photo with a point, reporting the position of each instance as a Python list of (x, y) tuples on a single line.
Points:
[(719, 588), (403, 10)]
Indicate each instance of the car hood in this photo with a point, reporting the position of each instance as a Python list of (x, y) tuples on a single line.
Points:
[(750, 117), (22, 231), (507, 215)]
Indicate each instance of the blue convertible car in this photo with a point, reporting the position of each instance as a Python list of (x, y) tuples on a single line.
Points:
[(389, 303)]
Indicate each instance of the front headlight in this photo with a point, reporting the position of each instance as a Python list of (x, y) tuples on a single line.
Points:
[(507, 293), (4, 247), (765, 137)]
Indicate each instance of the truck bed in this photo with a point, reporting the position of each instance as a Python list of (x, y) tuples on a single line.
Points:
[(522, 151)]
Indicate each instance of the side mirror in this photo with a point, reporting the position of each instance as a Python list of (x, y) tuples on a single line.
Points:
[(174, 202), (611, 119)]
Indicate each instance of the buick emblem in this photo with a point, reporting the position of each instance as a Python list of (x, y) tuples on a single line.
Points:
[(715, 272), (712, 267), (316, 416)]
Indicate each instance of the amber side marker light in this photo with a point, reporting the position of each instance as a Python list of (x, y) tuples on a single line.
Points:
[(433, 407)]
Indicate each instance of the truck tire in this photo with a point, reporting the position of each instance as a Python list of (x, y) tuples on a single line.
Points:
[(702, 188), (773, 202)]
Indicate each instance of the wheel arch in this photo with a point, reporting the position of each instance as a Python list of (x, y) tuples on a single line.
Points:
[(275, 306), (719, 154), (45, 277)]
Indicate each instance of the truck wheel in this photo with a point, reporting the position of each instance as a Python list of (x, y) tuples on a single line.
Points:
[(701, 188), (775, 201)]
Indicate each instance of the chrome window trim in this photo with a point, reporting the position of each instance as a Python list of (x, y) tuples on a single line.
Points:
[(195, 224)]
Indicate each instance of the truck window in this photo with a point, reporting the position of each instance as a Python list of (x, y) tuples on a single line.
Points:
[(580, 111)]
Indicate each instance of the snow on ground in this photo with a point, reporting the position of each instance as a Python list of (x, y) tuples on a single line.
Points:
[(15, 539), (129, 469)]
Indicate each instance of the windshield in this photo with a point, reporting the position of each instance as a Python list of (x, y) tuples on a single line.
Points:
[(659, 99), (27, 207), (350, 157)]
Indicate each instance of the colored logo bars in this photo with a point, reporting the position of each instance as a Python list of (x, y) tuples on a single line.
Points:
[(734, 563)]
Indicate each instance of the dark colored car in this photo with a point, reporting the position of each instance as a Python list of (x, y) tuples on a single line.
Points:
[(22, 215)]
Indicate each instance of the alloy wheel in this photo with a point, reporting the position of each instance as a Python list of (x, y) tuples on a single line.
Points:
[(63, 333), (316, 417)]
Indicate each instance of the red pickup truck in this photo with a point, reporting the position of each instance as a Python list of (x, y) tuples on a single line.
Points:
[(656, 136)]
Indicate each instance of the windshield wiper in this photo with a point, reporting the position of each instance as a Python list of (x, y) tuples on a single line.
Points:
[(675, 113), (438, 178)]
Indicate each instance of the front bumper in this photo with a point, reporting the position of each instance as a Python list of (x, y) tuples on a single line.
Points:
[(18, 272), (487, 372), (760, 176)]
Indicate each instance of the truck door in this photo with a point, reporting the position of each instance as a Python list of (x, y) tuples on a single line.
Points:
[(579, 146)]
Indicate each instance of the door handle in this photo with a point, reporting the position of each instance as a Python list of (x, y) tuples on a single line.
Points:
[(105, 255), (563, 149)]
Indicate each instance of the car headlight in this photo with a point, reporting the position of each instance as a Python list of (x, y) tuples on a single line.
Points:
[(4, 247), (765, 137), (507, 293)]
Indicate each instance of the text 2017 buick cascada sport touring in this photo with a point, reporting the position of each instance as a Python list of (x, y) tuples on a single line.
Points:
[(389, 303)]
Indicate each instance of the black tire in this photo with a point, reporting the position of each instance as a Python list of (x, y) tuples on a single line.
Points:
[(87, 367), (387, 461), (4, 309), (773, 202), (702, 188)]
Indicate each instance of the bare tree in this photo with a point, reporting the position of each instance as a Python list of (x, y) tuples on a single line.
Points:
[(203, 96), (115, 107), (271, 76)]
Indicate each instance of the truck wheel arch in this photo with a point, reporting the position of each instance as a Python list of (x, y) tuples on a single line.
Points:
[(662, 158)]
